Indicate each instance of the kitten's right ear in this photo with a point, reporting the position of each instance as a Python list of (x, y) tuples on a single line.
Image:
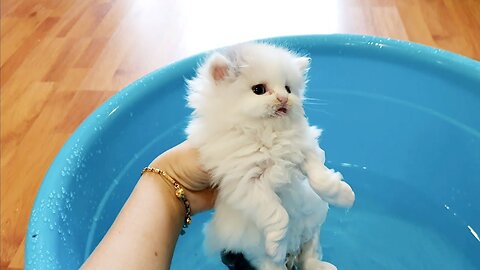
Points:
[(219, 67)]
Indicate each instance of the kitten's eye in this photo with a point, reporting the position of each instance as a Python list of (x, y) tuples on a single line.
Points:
[(259, 89), (288, 89)]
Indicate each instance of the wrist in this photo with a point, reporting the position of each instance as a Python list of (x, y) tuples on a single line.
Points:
[(179, 191), (173, 207), (195, 197)]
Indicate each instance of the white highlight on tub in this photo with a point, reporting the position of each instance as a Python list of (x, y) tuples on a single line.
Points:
[(349, 165), (113, 111), (473, 232)]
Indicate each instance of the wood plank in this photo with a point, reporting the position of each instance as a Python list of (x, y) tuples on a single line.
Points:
[(17, 260)]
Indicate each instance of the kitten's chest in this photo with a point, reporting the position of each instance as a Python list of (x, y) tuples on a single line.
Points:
[(275, 155), (282, 158), (280, 148)]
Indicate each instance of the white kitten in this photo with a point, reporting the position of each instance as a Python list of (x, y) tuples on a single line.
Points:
[(249, 126)]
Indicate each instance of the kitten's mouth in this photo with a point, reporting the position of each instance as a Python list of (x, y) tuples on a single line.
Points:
[(281, 111)]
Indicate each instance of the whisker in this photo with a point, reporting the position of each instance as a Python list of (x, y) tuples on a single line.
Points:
[(320, 111), (315, 99), (315, 103)]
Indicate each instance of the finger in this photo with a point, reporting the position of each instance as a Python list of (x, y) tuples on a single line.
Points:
[(182, 163), (188, 166), (201, 200)]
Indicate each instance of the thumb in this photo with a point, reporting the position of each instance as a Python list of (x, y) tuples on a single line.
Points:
[(182, 163)]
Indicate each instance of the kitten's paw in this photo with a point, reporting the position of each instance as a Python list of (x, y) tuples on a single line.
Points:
[(345, 197), (314, 264), (276, 250), (271, 248), (335, 176)]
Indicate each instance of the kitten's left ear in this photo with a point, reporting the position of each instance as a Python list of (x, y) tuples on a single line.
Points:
[(303, 63), (219, 67)]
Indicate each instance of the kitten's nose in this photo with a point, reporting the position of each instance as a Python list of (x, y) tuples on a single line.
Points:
[(282, 99)]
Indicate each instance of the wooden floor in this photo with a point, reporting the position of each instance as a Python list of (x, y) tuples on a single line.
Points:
[(60, 59)]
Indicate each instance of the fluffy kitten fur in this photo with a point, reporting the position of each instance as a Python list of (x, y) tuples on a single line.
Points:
[(260, 150)]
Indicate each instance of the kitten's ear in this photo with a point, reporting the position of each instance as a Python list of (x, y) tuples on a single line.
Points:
[(219, 67), (303, 63)]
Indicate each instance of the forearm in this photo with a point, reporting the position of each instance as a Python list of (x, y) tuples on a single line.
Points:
[(145, 232)]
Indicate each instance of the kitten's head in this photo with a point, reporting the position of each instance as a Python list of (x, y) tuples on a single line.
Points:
[(250, 81)]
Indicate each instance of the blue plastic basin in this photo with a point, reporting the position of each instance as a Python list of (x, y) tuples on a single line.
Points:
[(401, 121)]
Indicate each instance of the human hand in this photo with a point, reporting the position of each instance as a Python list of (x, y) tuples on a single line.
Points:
[(182, 163), (151, 219)]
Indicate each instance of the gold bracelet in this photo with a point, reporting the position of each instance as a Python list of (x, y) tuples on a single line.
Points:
[(179, 193)]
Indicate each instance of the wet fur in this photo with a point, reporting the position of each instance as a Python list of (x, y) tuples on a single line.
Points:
[(261, 158)]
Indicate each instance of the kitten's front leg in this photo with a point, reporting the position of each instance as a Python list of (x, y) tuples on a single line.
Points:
[(327, 183), (256, 199), (310, 259)]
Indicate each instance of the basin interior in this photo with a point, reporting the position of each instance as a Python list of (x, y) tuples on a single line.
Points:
[(401, 122)]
